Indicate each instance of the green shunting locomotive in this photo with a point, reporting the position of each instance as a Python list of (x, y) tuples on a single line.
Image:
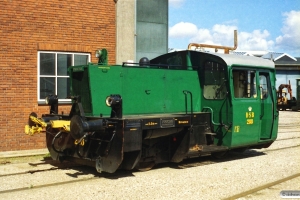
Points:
[(176, 106)]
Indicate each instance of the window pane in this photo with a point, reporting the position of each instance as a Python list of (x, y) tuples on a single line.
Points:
[(63, 89), (263, 86), (47, 64), (214, 81), (244, 83), (80, 59), (47, 86), (63, 62), (53, 76)]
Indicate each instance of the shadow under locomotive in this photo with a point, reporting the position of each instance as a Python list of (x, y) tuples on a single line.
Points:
[(82, 170)]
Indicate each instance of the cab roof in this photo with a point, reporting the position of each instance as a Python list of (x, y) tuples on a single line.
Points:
[(231, 59)]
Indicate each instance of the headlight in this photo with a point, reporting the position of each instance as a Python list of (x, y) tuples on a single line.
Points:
[(51, 99), (113, 99), (98, 53)]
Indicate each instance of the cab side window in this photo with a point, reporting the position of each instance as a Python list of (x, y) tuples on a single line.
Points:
[(263, 84), (244, 83), (214, 81)]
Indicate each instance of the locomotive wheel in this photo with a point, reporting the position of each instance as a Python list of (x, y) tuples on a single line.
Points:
[(145, 166)]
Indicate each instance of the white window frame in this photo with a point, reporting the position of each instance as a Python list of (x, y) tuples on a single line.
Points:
[(56, 76)]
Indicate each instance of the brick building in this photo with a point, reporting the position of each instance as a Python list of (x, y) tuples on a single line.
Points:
[(39, 40)]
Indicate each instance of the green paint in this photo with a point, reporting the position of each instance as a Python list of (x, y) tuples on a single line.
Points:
[(240, 117)]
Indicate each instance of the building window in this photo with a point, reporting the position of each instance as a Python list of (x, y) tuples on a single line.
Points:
[(52, 73)]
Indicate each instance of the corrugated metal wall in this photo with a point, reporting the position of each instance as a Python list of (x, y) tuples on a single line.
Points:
[(151, 28)]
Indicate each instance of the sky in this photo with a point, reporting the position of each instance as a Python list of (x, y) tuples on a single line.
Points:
[(262, 25)]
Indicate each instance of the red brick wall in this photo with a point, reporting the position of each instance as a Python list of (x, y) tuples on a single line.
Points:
[(28, 26)]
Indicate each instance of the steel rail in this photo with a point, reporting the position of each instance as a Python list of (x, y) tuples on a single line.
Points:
[(262, 187)]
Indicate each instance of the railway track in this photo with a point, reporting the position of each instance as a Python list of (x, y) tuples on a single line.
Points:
[(189, 163), (288, 138), (56, 166), (70, 173), (289, 132), (257, 191), (78, 171), (262, 187), (45, 185), (289, 147)]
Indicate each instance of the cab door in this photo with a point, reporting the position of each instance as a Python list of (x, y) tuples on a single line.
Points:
[(246, 106), (267, 105)]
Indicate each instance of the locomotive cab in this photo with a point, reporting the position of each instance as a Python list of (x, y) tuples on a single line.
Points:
[(235, 84)]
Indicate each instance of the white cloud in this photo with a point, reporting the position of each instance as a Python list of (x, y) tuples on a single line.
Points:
[(257, 40), (290, 38), (224, 35), (182, 30), (176, 3), (203, 36), (221, 34)]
